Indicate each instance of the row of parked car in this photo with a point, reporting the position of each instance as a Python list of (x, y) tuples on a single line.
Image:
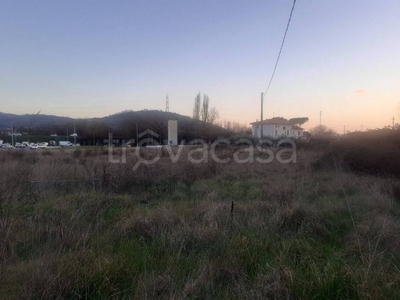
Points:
[(24, 145), (34, 146), (6, 146)]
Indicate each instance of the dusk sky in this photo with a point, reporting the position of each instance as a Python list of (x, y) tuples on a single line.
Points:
[(95, 58)]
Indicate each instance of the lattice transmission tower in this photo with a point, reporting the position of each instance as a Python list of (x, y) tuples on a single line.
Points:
[(167, 104)]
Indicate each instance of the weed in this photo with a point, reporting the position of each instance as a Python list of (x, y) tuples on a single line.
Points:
[(169, 230)]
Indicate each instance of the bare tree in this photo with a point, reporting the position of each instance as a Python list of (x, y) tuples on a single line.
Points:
[(202, 111), (227, 124), (322, 131), (196, 109), (213, 115), (204, 108), (237, 127)]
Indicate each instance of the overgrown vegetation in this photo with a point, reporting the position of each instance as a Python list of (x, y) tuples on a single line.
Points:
[(194, 231), (375, 152)]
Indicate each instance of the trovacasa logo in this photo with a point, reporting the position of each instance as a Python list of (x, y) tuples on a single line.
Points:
[(203, 152)]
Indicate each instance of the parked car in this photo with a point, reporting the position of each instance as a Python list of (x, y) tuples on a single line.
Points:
[(65, 144), (6, 146), (43, 145)]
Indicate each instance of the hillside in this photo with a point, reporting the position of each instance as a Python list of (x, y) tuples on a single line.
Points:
[(122, 125), (33, 120)]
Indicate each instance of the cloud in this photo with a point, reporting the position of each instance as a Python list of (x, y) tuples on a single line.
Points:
[(360, 91)]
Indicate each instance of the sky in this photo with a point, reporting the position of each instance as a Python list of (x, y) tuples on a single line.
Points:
[(94, 58)]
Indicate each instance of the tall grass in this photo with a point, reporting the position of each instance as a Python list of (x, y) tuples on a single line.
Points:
[(168, 231)]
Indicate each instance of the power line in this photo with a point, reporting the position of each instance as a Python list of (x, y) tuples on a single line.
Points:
[(280, 51)]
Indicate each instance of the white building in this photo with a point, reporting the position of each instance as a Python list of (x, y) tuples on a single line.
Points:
[(275, 128), (172, 132)]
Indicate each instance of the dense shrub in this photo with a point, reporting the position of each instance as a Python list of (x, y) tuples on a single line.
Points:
[(375, 153), (316, 143)]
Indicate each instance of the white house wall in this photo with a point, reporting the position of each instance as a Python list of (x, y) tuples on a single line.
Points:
[(255, 131), (268, 130), (273, 131)]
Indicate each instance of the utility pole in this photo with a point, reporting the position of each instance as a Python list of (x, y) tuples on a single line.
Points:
[(167, 104), (74, 135), (136, 132), (262, 114), (320, 116), (12, 134), (393, 122)]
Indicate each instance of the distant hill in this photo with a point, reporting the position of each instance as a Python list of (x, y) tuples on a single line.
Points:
[(144, 118), (122, 125), (7, 120), (113, 121)]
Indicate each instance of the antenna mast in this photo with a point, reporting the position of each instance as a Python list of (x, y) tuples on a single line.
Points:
[(167, 104)]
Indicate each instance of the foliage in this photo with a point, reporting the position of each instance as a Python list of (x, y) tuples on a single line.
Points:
[(299, 120), (202, 110), (205, 109), (213, 115), (197, 107), (279, 118), (322, 131), (236, 127), (375, 152)]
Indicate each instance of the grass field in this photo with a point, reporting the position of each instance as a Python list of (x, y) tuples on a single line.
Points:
[(194, 231)]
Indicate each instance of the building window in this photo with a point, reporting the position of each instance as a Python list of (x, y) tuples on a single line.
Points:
[(287, 133), (276, 132), (299, 132), (284, 127)]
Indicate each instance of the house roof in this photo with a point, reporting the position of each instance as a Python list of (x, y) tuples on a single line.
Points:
[(276, 122)]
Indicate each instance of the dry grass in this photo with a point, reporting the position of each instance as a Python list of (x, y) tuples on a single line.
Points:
[(167, 231)]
